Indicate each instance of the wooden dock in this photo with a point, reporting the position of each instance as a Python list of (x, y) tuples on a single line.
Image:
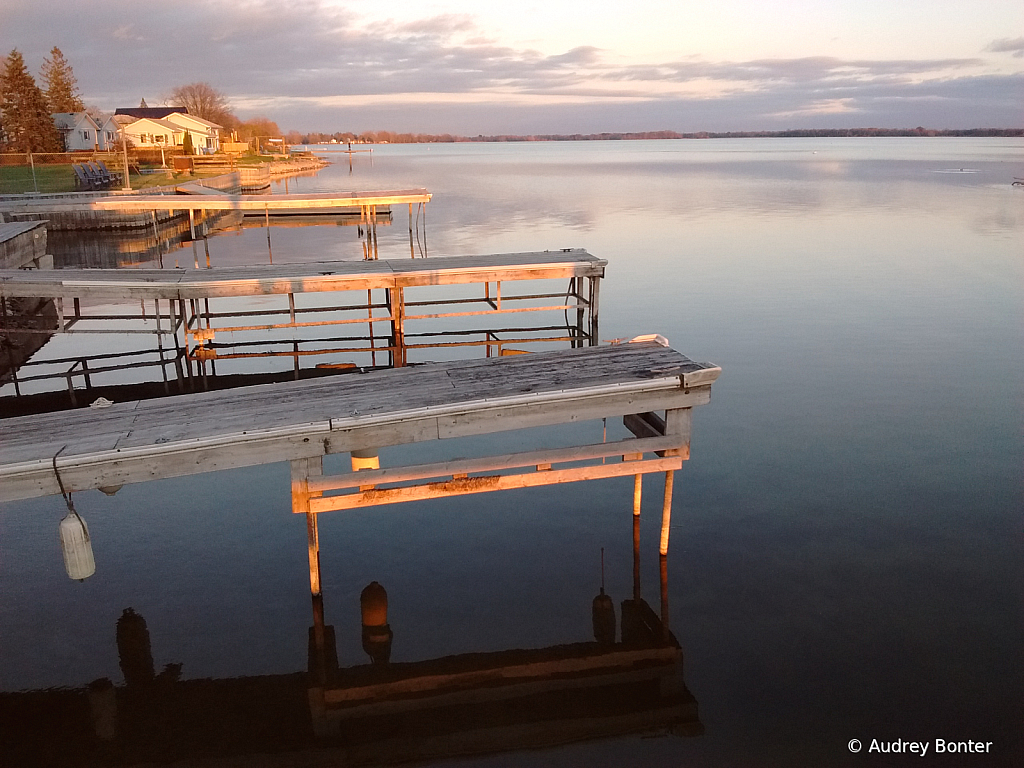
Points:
[(307, 277), (180, 302), (23, 244), (144, 440), (303, 421), (133, 211), (261, 203)]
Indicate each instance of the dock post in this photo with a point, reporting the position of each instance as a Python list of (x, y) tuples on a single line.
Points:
[(581, 309), (636, 557), (295, 344), (192, 235), (10, 347), (369, 323), (666, 512), (364, 227), (595, 288), (177, 349), (302, 470), (664, 597), (159, 346), (156, 240), (398, 325), (376, 251), (412, 250), (270, 250)]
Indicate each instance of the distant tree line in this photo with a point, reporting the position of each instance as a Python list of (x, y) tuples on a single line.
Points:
[(378, 137)]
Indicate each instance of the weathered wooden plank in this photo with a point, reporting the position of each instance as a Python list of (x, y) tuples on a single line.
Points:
[(295, 278), (487, 464), (487, 483), (135, 203), (186, 434)]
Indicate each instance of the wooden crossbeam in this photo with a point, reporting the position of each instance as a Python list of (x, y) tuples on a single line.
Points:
[(486, 483)]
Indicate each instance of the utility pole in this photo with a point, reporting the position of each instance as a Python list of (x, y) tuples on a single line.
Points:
[(124, 150)]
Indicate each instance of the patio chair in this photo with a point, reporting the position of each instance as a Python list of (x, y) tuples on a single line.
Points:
[(83, 180), (104, 177), (114, 176)]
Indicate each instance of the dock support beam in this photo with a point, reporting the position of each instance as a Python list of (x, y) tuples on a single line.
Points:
[(302, 470), (666, 512), (636, 557)]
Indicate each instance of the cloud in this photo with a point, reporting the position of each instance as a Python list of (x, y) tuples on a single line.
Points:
[(322, 66), (821, 107), (1007, 45)]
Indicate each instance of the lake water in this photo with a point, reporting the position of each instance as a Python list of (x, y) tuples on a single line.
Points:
[(846, 556)]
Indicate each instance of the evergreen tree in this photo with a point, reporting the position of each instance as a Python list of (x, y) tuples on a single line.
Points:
[(26, 120), (186, 144), (61, 88)]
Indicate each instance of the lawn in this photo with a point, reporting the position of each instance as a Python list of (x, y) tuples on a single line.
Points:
[(17, 179)]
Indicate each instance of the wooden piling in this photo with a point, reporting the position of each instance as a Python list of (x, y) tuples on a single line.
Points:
[(301, 471), (663, 568), (636, 558), (666, 512)]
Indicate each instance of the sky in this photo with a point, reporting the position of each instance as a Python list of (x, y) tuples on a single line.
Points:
[(556, 66)]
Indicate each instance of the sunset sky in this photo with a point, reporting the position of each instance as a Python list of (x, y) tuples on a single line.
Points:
[(548, 67)]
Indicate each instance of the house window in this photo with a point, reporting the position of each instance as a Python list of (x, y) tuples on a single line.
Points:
[(85, 135)]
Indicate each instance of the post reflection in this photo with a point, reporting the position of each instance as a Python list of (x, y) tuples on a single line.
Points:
[(627, 681)]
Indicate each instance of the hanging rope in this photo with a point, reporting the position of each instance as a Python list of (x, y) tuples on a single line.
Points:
[(64, 493)]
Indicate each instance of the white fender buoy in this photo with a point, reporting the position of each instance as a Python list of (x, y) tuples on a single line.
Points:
[(77, 547), (365, 458)]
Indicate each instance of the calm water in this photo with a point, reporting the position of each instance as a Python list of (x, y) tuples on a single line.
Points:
[(846, 550)]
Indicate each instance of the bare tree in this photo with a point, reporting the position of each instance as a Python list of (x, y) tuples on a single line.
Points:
[(205, 101), (258, 126)]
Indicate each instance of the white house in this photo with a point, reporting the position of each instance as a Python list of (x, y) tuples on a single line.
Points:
[(151, 132), (205, 135), (110, 135), (78, 130)]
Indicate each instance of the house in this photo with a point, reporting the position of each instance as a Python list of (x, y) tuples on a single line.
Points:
[(78, 131), (109, 135), (205, 135), (150, 132), (167, 126)]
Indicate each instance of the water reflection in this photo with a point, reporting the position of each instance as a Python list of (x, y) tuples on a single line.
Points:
[(627, 680)]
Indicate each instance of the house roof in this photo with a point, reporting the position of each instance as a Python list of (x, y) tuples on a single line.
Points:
[(151, 122), (67, 121), (153, 112), (192, 119)]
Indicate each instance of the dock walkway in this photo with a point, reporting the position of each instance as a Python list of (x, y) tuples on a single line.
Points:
[(307, 277), (180, 301), (149, 439)]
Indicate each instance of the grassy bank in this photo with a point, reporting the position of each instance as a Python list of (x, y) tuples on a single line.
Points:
[(18, 179)]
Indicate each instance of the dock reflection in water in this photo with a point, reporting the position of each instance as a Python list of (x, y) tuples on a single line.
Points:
[(628, 680)]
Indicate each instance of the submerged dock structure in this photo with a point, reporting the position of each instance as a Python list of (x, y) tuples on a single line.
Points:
[(188, 312)]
